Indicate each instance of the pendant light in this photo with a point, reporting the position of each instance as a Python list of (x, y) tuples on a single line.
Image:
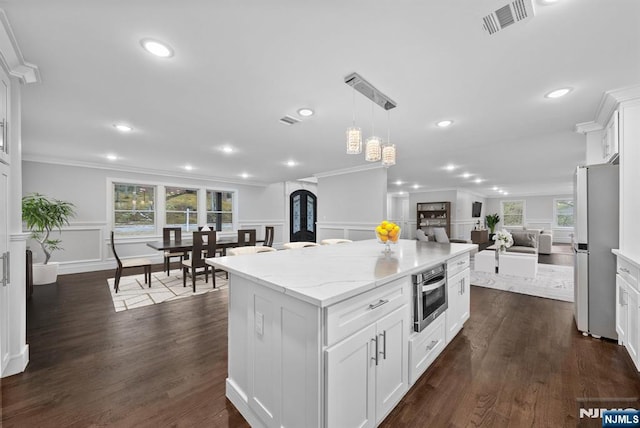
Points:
[(373, 146), (354, 134), (388, 150)]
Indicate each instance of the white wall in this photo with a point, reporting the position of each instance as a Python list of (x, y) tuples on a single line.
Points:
[(538, 214), (351, 204), (86, 240)]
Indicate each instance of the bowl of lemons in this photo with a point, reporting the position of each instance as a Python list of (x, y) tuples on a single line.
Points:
[(388, 233)]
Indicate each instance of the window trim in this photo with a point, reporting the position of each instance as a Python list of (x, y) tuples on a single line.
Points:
[(555, 213), (160, 209), (524, 211)]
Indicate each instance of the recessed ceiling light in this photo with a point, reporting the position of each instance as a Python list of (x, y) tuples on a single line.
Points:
[(401, 193), (112, 157), (416, 186), (122, 127), (495, 187), (227, 149), (157, 48), (450, 167), (505, 193), (444, 123), (188, 167), (244, 175), (549, 1), (478, 180), (305, 112), (466, 175), (399, 183), (558, 93), (291, 163)]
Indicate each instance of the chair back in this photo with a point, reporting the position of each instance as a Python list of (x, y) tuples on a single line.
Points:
[(335, 241), (238, 251), (269, 231), (246, 237), (300, 244), (167, 233), (200, 247), (113, 248)]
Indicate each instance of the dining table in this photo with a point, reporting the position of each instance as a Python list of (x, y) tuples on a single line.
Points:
[(183, 245)]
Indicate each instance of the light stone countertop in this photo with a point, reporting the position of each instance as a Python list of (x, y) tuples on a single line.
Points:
[(328, 274)]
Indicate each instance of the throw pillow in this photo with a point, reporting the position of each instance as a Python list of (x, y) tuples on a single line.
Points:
[(525, 239), (420, 236), (441, 235)]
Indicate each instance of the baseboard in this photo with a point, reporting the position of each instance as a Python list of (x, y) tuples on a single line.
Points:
[(17, 363), (240, 401)]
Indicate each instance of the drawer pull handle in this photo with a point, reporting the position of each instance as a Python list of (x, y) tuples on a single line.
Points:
[(625, 270), (384, 344), (461, 263), (432, 345), (377, 305)]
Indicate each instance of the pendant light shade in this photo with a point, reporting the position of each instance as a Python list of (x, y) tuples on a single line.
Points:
[(373, 149), (389, 155), (354, 141)]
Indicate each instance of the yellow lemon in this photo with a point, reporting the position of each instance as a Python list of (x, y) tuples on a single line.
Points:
[(384, 232), (384, 238)]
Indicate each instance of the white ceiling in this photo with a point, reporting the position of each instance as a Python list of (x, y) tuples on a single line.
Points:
[(240, 66)]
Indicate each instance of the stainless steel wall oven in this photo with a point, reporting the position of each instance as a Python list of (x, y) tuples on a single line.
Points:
[(429, 296)]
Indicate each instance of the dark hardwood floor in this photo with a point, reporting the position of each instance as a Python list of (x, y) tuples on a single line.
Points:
[(519, 361)]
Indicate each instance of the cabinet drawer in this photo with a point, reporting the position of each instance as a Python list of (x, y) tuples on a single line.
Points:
[(457, 265), (345, 318), (629, 272), (425, 347)]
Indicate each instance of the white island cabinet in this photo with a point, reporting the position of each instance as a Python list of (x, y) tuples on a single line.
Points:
[(319, 336)]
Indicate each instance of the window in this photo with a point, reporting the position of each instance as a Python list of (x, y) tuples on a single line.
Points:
[(220, 210), (134, 211), (563, 212), (512, 213), (181, 208)]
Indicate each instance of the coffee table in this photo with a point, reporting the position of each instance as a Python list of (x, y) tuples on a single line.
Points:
[(518, 264)]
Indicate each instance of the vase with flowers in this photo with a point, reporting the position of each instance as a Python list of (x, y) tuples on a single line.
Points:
[(503, 240)]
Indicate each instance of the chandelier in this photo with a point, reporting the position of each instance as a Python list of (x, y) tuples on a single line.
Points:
[(375, 149)]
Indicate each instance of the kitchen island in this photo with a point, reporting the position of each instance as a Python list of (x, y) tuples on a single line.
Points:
[(323, 336)]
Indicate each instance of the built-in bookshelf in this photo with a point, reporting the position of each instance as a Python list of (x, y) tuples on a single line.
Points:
[(434, 214)]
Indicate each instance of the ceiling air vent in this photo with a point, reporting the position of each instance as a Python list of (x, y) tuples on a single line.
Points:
[(509, 14), (288, 120)]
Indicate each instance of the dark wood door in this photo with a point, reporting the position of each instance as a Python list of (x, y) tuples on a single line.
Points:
[(303, 212)]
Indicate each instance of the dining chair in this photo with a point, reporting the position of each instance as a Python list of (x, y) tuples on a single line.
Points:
[(197, 260), (335, 241), (269, 232), (169, 233), (254, 249), (246, 237), (129, 263), (300, 244)]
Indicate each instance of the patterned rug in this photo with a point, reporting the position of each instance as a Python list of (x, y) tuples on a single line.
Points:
[(552, 282), (134, 293)]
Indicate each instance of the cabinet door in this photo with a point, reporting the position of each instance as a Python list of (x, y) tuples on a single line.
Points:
[(4, 107), (351, 381), (621, 309), (391, 369), (465, 297), (454, 310), (4, 247), (633, 335)]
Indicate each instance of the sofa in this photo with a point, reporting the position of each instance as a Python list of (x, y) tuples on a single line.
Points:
[(530, 241)]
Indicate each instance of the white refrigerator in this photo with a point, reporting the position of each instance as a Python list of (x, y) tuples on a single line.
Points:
[(596, 234)]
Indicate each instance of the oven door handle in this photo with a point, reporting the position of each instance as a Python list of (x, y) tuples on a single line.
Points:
[(435, 286)]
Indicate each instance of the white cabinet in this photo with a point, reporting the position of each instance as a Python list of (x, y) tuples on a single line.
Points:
[(4, 268), (628, 307), (610, 139), (367, 372), (629, 179), (424, 347), (458, 295)]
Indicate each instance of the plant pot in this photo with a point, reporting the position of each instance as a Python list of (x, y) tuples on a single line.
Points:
[(45, 274)]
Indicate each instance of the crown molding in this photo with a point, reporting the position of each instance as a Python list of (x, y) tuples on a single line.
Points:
[(11, 56), (610, 100), (149, 171), (586, 127), (350, 170)]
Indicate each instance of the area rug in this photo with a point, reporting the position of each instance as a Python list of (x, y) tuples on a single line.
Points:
[(551, 282), (134, 293)]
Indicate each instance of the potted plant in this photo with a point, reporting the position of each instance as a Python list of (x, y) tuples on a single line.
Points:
[(492, 220), (42, 215)]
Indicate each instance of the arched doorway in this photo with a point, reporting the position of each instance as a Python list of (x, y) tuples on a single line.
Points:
[(303, 212)]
